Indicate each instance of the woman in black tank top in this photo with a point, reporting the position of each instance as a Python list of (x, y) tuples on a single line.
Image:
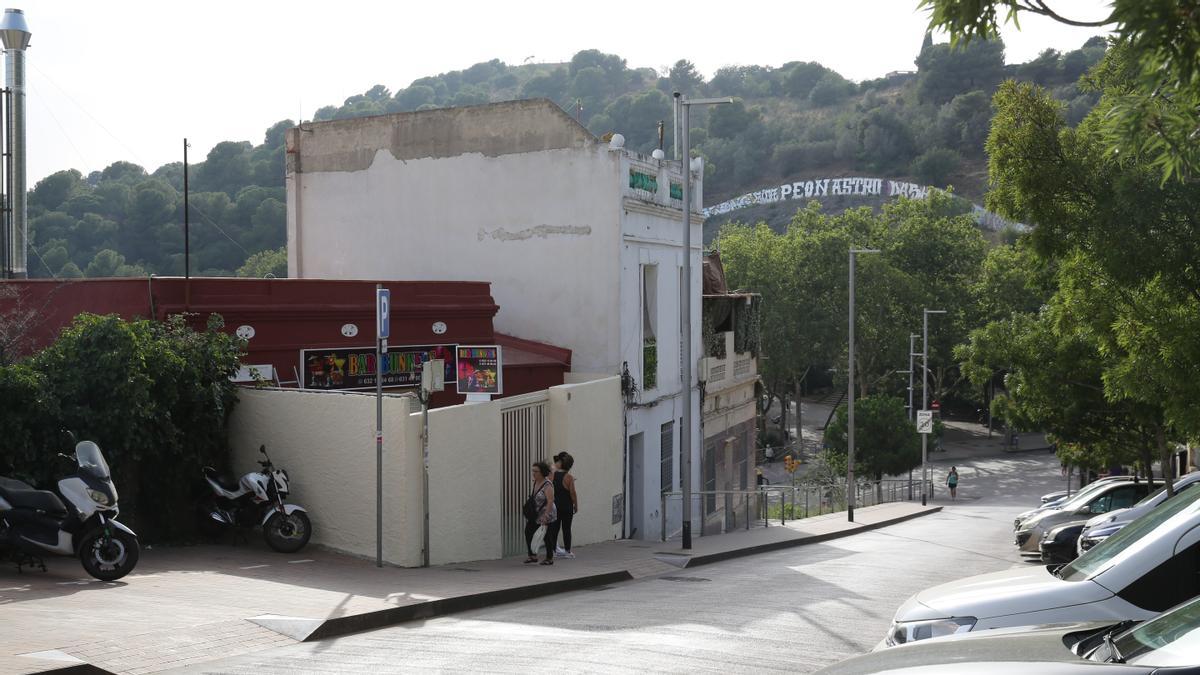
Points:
[(565, 500)]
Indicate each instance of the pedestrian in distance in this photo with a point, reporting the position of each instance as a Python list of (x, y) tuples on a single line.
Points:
[(566, 502), (952, 482), (539, 513)]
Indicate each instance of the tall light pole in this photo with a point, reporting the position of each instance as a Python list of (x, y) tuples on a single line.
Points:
[(850, 394), (912, 414), (925, 399), (685, 434)]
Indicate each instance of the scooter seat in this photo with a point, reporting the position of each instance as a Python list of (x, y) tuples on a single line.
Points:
[(229, 484), (14, 484), (28, 498)]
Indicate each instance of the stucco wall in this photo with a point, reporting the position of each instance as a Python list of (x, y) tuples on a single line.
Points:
[(326, 441), (542, 227), (464, 488), (586, 422)]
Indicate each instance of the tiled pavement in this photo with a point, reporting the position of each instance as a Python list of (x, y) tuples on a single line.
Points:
[(191, 604)]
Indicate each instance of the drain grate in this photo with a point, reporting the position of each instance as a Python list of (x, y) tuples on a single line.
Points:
[(461, 569), (691, 579)]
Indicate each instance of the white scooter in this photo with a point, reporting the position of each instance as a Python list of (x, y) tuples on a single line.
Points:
[(257, 499), (34, 523)]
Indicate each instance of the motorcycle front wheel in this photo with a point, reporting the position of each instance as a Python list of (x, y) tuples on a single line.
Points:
[(108, 557), (288, 533)]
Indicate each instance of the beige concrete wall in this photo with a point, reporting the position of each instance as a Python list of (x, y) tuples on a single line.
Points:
[(465, 490), (326, 441), (585, 420)]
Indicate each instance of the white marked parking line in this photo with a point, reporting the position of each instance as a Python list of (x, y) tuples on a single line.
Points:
[(252, 567), (297, 562)]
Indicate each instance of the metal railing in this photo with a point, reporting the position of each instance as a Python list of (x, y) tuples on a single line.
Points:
[(744, 509)]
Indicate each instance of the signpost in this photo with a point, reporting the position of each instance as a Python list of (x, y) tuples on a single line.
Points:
[(383, 306), (433, 379)]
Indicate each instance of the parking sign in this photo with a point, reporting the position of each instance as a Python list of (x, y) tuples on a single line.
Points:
[(383, 309), (924, 421)]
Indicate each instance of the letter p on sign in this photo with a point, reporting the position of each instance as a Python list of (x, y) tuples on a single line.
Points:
[(383, 312)]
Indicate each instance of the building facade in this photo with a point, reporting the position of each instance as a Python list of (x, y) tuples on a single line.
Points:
[(580, 239)]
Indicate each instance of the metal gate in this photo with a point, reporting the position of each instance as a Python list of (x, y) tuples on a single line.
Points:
[(523, 422)]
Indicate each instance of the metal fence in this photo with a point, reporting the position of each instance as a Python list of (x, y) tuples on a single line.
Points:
[(523, 426), (720, 511)]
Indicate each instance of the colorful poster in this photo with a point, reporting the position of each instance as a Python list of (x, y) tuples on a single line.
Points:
[(479, 370), (354, 368)]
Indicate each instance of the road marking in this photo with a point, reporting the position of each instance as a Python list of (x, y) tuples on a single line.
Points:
[(298, 562), (252, 567)]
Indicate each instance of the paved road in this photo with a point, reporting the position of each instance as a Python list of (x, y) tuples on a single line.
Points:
[(794, 610)]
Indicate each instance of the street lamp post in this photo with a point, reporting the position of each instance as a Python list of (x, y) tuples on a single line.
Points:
[(850, 394), (685, 434), (925, 399)]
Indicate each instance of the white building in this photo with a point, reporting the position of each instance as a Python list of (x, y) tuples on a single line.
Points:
[(581, 240)]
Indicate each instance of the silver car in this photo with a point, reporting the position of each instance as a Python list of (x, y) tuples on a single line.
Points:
[(1108, 497), (1103, 526)]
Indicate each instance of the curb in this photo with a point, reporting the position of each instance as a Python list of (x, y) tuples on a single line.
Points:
[(435, 608), (696, 561), (75, 669)]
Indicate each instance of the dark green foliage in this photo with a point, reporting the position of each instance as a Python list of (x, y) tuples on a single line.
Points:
[(154, 395), (935, 166), (945, 71), (886, 443)]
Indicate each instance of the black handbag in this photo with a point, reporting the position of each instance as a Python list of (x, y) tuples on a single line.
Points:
[(530, 510)]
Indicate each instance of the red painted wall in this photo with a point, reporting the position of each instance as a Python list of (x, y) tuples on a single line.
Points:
[(288, 315)]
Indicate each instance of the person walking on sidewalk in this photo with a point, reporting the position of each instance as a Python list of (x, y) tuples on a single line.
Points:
[(952, 482), (566, 502), (539, 514)]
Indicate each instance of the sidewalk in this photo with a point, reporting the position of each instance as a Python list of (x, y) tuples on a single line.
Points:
[(185, 606)]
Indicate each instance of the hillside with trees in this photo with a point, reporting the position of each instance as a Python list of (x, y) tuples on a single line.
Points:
[(798, 119)]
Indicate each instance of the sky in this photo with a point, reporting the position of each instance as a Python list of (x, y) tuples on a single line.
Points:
[(130, 79)]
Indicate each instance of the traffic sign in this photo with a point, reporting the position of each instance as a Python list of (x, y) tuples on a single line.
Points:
[(924, 421), (383, 312)]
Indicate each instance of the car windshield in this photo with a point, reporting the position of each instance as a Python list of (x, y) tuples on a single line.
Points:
[(1169, 639), (1098, 558), (91, 460)]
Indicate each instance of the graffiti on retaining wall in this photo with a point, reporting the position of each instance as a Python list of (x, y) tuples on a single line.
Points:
[(821, 187), (850, 186)]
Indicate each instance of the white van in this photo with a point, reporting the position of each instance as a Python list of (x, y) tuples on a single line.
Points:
[(1150, 565)]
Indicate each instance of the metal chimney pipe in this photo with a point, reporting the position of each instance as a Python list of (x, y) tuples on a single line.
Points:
[(14, 33)]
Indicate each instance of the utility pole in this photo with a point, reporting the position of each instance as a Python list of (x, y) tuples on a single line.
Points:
[(925, 400), (912, 414), (685, 435), (850, 394), (187, 257)]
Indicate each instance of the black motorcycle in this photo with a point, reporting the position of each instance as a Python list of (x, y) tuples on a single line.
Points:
[(34, 523)]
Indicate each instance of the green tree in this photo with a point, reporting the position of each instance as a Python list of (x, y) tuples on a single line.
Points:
[(935, 166), (1157, 113), (886, 441), (945, 71), (264, 263)]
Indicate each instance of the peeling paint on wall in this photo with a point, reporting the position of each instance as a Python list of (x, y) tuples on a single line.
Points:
[(540, 231)]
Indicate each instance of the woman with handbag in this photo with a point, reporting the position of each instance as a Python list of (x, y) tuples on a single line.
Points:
[(539, 512)]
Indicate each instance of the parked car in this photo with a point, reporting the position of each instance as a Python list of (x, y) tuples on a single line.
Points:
[(1146, 568), (1108, 497), (1057, 503), (1059, 494), (1103, 526), (1166, 644), (1059, 544)]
